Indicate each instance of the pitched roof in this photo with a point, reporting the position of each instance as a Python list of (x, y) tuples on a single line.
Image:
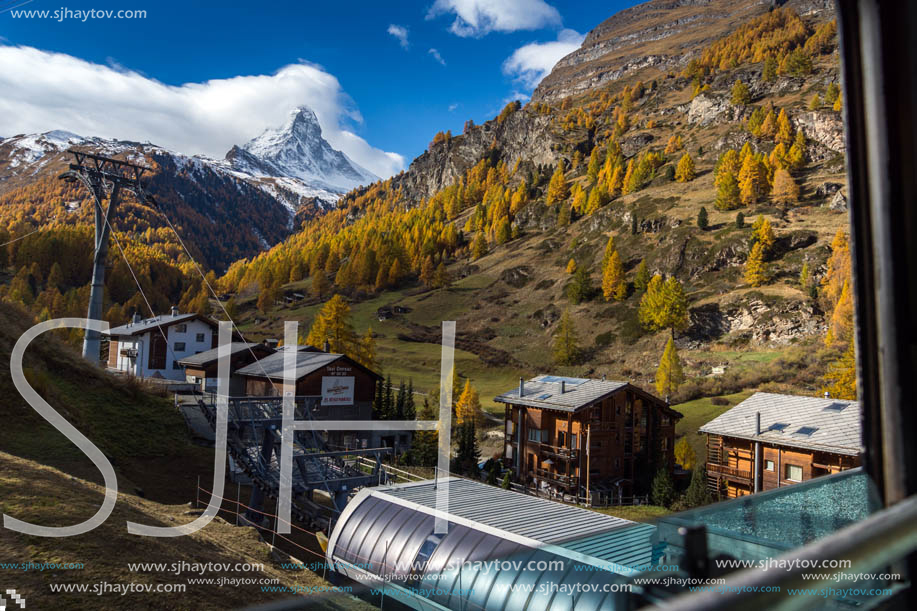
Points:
[(163, 320), (813, 423), (308, 360), (201, 359), (544, 392)]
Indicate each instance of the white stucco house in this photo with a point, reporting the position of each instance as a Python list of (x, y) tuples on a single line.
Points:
[(153, 347)]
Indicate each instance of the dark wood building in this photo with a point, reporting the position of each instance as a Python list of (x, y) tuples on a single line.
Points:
[(345, 390), (771, 440), (202, 368), (583, 437)]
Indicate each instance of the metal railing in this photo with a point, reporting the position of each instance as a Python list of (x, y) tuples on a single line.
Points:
[(871, 544)]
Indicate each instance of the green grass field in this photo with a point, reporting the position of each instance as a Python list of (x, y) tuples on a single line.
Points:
[(699, 412), (637, 513)]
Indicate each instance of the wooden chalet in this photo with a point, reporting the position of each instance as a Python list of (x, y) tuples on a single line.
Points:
[(772, 440), (586, 438), (346, 390), (202, 368)]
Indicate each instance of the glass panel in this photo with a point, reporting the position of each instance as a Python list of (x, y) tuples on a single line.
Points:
[(766, 524)]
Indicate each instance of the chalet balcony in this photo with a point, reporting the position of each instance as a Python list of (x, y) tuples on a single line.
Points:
[(559, 452), (728, 471), (556, 478)]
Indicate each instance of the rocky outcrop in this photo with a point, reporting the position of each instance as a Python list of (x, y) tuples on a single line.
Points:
[(823, 127), (663, 34), (757, 319), (838, 202), (524, 134), (706, 109), (517, 277)]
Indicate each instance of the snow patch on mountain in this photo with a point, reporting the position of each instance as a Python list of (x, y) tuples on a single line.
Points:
[(292, 164), (298, 150)]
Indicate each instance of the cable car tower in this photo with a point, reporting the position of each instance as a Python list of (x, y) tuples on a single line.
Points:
[(103, 176)]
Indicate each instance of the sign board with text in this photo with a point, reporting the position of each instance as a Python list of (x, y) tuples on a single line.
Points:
[(337, 390)]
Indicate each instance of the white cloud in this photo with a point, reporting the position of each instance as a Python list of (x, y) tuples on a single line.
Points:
[(401, 33), (437, 56), (453, 106), (480, 17), (532, 62), (517, 95), (44, 91)]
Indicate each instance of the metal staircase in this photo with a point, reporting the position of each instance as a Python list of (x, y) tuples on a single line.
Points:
[(253, 440)]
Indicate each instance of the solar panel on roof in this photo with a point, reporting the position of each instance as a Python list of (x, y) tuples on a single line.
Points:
[(806, 430)]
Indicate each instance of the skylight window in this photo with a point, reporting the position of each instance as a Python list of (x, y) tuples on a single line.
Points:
[(835, 407), (806, 430), (778, 426)]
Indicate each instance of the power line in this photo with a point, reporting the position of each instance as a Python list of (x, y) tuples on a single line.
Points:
[(22, 237)]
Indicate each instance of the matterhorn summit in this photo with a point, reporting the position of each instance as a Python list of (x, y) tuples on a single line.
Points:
[(298, 150)]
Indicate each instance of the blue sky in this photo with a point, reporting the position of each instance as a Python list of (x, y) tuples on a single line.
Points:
[(343, 57)]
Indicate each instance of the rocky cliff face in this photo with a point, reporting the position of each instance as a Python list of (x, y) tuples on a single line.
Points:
[(660, 34), (524, 134), (663, 34)]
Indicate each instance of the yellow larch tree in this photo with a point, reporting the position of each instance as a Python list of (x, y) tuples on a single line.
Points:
[(685, 170), (756, 273)]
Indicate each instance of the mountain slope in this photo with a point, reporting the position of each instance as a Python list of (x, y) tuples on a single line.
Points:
[(205, 202), (480, 204), (662, 34), (45, 479), (225, 209)]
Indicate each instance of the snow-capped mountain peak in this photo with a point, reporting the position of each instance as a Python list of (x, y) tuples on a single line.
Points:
[(298, 150)]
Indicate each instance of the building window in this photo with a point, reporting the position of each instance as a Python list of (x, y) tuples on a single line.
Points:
[(199, 337), (794, 473), (182, 328), (664, 444), (179, 346), (768, 465), (573, 441), (536, 435), (617, 463)]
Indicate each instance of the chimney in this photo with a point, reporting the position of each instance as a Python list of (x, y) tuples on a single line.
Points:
[(603, 377), (174, 311), (563, 386), (327, 346), (827, 395), (136, 318), (757, 423), (521, 387)]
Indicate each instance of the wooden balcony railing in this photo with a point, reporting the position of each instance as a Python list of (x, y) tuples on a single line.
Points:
[(565, 453), (557, 478), (728, 471)]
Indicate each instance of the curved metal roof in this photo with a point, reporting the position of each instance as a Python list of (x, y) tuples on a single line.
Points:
[(503, 550)]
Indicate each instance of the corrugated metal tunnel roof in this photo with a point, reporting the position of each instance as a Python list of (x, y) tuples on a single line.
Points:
[(503, 549)]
